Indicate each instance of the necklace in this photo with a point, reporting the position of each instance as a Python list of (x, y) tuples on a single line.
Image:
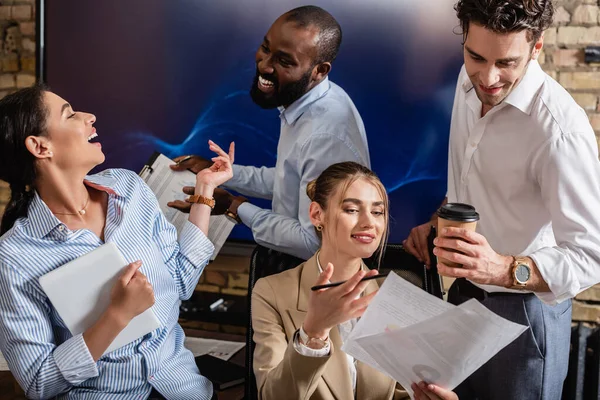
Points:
[(80, 212)]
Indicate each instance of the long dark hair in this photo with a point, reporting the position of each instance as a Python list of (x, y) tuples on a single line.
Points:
[(22, 114)]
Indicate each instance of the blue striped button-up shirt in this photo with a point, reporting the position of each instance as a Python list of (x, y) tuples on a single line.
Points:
[(41, 352)]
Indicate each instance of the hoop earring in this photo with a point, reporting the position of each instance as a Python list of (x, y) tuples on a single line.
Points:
[(319, 228)]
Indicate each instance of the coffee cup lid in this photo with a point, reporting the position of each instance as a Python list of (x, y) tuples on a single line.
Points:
[(458, 212)]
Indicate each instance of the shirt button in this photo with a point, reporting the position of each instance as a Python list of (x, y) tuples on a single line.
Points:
[(61, 228), (473, 144), (151, 377)]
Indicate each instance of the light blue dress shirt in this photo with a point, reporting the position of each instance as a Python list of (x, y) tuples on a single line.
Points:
[(321, 128), (42, 354)]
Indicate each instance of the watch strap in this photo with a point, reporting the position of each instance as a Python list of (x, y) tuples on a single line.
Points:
[(312, 343), (199, 199), (232, 211)]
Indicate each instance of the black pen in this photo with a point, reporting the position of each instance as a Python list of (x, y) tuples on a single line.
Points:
[(330, 285)]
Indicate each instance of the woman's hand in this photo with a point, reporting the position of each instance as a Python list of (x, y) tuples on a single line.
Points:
[(332, 306), (424, 391), (220, 171), (132, 294)]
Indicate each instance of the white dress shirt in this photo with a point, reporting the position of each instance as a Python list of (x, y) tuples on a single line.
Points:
[(321, 128), (344, 329), (530, 167)]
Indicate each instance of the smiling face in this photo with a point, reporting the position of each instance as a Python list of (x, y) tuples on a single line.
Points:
[(71, 135), (285, 64), (355, 221), (496, 62)]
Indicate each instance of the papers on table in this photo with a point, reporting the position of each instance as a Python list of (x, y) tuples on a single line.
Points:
[(167, 185), (217, 348), (412, 336)]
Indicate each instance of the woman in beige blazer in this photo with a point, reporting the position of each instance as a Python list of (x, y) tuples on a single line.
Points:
[(298, 332)]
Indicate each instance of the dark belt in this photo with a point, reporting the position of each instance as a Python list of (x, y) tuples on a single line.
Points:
[(467, 289)]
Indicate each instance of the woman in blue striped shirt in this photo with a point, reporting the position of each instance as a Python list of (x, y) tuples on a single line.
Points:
[(58, 213)]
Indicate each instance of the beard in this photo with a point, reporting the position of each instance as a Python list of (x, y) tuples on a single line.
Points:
[(283, 96)]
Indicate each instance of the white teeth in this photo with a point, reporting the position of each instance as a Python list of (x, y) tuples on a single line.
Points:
[(93, 135), (265, 82), (362, 237)]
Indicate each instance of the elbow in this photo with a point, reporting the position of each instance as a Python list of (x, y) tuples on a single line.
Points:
[(36, 390)]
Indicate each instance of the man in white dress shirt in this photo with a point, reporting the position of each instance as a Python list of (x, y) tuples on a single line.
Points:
[(523, 153), (320, 126)]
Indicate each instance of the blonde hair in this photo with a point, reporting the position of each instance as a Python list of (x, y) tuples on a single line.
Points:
[(340, 177)]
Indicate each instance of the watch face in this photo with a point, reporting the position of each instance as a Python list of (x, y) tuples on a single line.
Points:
[(522, 273)]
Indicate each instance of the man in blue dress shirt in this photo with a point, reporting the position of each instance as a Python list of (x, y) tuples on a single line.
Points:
[(320, 126)]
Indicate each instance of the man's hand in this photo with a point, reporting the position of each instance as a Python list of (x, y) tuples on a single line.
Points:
[(480, 263), (424, 391), (416, 243), (192, 163), (222, 197)]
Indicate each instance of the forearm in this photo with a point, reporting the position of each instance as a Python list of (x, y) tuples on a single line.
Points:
[(252, 181), (296, 376), (200, 213), (279, 232), (100, 335)]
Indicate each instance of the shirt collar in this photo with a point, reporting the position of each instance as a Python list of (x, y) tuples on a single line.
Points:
[(523, 96), (297, 108), (45, 221)]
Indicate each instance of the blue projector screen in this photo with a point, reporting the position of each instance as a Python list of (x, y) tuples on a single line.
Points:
[(169, 75)]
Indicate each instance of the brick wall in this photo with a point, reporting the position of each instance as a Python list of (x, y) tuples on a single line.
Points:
[(577, 25), (17, 54)]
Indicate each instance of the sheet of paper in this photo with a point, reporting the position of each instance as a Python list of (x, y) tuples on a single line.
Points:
[(167, 184), (411, 336), (3, 363), (217, 348), (398, 303)]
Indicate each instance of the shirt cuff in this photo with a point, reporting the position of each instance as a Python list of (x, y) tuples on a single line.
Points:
[(307, 351), (557, 279), (235, 179), (195, 246), (74, 360), (246, 212)]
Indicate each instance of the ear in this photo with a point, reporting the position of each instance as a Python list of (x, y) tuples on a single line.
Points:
[(317, 216), (537, 48), (38, 146), (321, 71)]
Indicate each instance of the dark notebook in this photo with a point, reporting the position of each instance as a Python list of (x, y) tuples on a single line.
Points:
[(222, 374)]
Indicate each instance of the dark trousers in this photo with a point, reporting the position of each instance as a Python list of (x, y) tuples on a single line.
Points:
[(534, 365)]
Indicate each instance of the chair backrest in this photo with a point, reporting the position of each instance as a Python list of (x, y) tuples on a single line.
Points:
[(263, 262), (396, 259)]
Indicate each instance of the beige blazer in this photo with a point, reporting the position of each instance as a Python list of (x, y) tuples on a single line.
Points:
[(279, 305)]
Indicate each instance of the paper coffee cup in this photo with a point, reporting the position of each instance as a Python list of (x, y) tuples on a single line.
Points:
[(455, 215)]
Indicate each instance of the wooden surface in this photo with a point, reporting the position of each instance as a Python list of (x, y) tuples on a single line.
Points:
[(10, 389)]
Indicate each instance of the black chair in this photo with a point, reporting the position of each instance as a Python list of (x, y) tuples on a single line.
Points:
[(266, 262), (263, 262)]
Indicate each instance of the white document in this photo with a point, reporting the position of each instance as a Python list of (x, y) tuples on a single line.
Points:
[(167, 185), (412, 336), (80, 293), (222, 349), (3, 363)]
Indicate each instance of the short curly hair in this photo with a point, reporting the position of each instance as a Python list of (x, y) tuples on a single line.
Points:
[(506, 16)]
